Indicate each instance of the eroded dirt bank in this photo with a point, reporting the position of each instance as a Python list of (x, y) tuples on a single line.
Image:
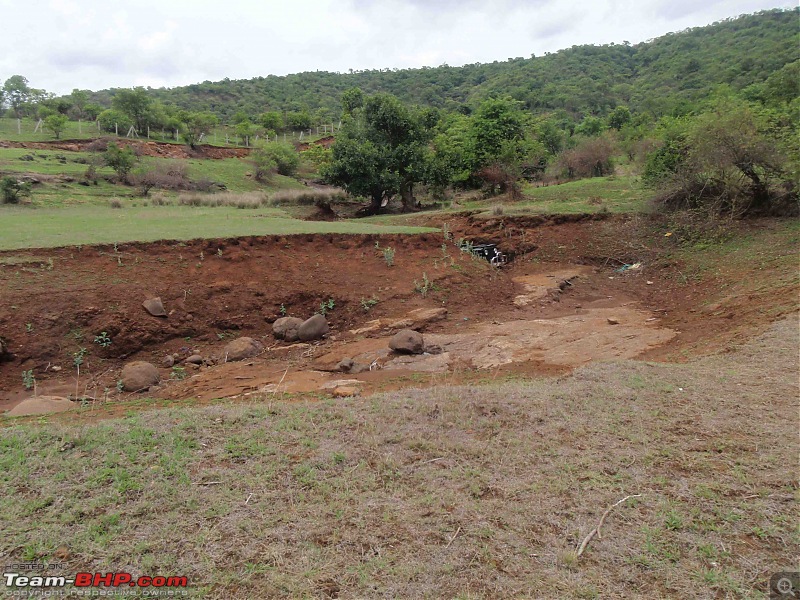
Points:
[(564, 300)]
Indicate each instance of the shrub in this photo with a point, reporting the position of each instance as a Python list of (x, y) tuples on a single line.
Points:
[(591, 157), (727, 161), (121, 160), (238, 200), (308, 197), (13, 190), (169, 175), (115, 203), (275, 157)]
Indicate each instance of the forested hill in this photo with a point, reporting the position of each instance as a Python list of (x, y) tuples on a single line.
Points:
[(655, 76)]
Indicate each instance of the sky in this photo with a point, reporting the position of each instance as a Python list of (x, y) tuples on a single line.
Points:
[(59, 45)]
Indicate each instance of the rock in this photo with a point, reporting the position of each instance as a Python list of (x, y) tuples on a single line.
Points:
[(345, 392), (195, 359), (286, 328), (612, 321), (407, 341), (40, 405), (332, 385), (345, 365), (139, 375), (168, 361), (419, 318), (241, 348), (155, 307), (313, 329)]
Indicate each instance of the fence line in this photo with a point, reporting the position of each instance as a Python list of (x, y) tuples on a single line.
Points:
[(33, 130)]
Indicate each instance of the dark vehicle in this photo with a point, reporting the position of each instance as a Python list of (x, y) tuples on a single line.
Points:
[(488, 252)]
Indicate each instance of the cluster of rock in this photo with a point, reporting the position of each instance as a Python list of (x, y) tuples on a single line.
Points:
[(292, 329)]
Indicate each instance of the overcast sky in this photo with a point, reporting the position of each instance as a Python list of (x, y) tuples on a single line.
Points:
[(94, 44)]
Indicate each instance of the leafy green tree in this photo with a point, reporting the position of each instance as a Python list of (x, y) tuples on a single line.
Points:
[(352, 99), (619, 117), (245, 131), (122, 160), (92, 110), (298, 120), (271, 121), (380, 152), (196, 124), (136, 104), (17, 92), (496, 122), (551, 136), (56, 124), (113, 120), (79, 99), (590, 126)]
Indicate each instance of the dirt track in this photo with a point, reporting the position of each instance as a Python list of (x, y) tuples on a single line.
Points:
[(521, 318)]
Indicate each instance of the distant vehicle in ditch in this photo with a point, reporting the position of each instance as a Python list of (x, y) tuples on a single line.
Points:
[(488, 252)]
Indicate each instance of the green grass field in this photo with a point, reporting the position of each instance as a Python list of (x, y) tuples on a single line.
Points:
[(24, 227)]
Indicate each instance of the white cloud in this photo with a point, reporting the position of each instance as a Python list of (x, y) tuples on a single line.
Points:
[(62, 44)]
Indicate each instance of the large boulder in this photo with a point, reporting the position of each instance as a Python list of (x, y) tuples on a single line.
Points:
[(242, 348), (40, 405), (407, 341), (286, 328), (314, 328), (139, 375)]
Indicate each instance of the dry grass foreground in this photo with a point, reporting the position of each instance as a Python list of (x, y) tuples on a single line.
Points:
[(450, 492)]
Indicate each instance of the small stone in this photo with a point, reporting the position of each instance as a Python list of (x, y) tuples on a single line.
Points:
[(55, 368), (612, 321), (168, 361), (195, 359), (155, 307), (345, 365), (407, 341), (345, 392)]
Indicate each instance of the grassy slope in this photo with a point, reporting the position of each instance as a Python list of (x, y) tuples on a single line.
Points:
[(464, 492)]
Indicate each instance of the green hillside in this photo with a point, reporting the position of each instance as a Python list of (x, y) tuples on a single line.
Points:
[(657, 76)]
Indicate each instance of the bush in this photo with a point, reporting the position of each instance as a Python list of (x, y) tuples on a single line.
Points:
[(591, 157), (307, 197), (275, 157), (171, 175), (726, 161), (121, 160), (12, 190), (237, 200)]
